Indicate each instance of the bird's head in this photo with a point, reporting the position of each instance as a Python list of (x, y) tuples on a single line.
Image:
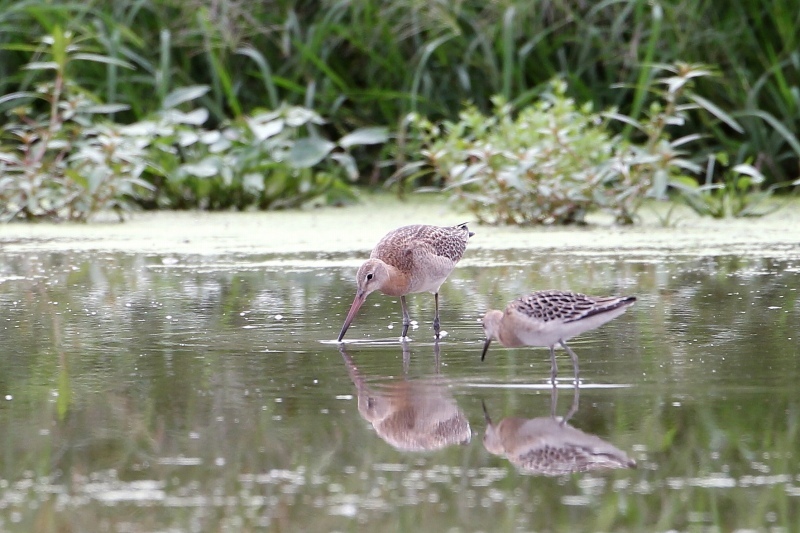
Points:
[(371, 276), (491, 327)]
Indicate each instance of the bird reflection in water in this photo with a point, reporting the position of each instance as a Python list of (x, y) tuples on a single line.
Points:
[(412, 415), (549, 446)]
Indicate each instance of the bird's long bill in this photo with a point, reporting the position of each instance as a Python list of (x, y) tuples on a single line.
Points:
[(351, 314), (485, 347)]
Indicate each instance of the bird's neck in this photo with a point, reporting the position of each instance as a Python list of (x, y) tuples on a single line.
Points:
[(398, 282), (508, 338)]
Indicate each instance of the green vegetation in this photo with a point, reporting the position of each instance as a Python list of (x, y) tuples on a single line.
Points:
[(66, 164), (362, 66), (554, 161), (549, 164)]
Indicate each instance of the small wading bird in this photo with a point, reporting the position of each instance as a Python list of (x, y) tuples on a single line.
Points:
[(547, 318), (407, 260)]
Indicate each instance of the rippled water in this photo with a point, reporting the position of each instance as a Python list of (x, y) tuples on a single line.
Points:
[(184, 393)]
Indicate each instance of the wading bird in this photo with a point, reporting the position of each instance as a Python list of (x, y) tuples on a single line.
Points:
[(547, 318), (410, 259)]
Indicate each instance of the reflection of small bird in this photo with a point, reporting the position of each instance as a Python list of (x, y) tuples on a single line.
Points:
[(547, 318), (410, 259), (410, 415), (550, 447)]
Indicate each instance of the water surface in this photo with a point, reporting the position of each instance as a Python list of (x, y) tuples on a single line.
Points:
[(168, 392)]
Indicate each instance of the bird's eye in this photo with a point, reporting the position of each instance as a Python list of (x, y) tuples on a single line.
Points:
[(369, 276)]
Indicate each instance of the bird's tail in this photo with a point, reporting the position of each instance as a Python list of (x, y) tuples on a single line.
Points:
[(612, 304), (463, 225)]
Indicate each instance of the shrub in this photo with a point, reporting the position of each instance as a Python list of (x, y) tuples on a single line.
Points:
[(555, 160), (669, 169), (544, 166), (272, 159), (62, 161)]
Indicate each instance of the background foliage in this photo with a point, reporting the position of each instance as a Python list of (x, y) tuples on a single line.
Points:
[(371, 63)]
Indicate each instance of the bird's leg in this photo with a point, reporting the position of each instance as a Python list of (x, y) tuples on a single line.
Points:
[(553, 366), (575, 399), (406, 319), (553, 400), (436, 314), (574, 358)]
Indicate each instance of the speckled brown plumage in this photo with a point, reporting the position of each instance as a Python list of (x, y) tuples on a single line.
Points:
[(565, 306), (400, 247)]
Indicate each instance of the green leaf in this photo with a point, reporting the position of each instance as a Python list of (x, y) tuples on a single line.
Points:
[(97, 58), (141, 183), (253, 183), (308, 152), (95, 177), (716, 111), (374, 135), (427, 50), (275, 184), (321, 64), (201, 169), (21, 94), (41, 65), (749, 170), (264, 131), (193, 118), (686, 139), (348, 163), (624, 118), (20, 47), (299, 116), (781, 128), (210, 137), (266, 72), (184, 94), (106, 108), (9, 158), (684, 182), (187, 138)]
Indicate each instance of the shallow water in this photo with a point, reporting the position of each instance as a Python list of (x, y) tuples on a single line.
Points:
[(185, 393)]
